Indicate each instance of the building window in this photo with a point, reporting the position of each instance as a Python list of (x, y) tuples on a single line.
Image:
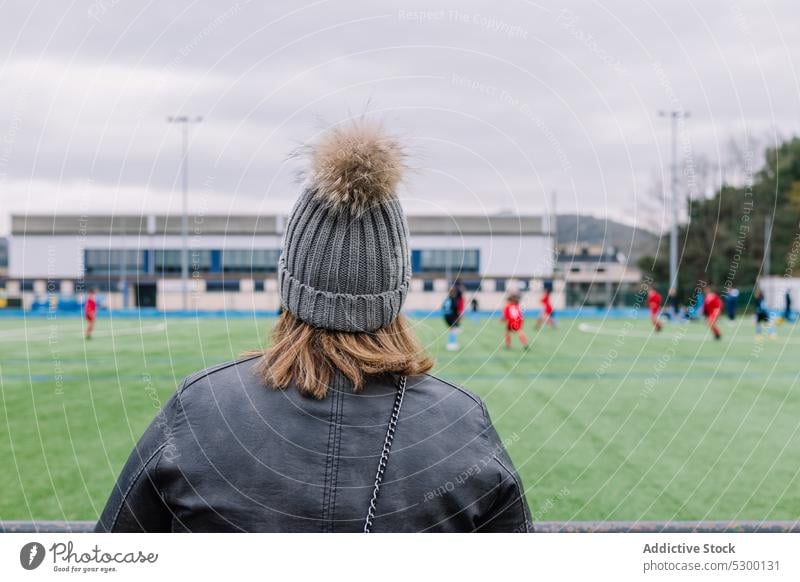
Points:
[(472, 285), (452, 260), (250, 260), (169, 261), (258, 285), (113, 261), (222, 285), (102, 285), (500, 285), (575, 270), (427, 285)]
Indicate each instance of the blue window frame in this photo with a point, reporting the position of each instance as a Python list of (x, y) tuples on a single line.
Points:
[(105, 262), (169, 261), (111, 261), (444, 260), (472, 285), (250, 260), (222, 285)]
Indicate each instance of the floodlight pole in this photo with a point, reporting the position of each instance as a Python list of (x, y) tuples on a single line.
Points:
[(767, 244), (123, 280), (554, 228), (184, 121), (675, 116)]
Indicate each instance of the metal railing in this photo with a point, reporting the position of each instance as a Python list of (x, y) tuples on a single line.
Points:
[(541, 527)]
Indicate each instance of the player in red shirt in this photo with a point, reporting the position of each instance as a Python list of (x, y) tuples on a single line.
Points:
[(546, 316), (512, 315), (654, 302), (459, 287), (712, 307), (90, 312)]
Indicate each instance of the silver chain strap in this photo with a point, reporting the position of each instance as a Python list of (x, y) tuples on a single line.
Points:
[(387, 447)]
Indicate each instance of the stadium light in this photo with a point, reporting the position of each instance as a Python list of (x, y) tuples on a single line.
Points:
[(185, 121), (675, 116)]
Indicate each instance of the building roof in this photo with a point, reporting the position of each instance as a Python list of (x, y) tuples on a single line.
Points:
[(250, 224), (590, 259), (585, 253)]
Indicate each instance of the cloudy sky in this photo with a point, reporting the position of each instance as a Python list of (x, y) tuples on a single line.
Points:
[(500, 104)]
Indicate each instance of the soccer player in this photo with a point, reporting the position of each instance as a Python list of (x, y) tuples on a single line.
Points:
[(90, 312), (458, 286), (712, 307), (546, 316), (674, 303), (731, 302), (512, 315), (451, 316), (654, 301), (762, 315)]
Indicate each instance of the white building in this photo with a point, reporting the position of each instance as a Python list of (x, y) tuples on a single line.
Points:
[(775, 289), (233, 259), (595, 276)]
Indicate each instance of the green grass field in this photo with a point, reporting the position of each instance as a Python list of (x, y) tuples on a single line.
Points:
[(604, 420)]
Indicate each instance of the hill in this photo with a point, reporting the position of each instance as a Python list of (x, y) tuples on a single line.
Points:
[(633, 242)]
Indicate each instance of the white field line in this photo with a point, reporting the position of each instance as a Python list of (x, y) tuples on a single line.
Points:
[(731, 335), (44, 333)]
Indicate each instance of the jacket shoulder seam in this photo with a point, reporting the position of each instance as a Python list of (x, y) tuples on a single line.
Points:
[(170, 435), (134, 482), (487, 426), (197, 376), (464, 391), (520, 490)]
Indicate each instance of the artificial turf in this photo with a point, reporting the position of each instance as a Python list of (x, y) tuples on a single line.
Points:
[(605, 420)]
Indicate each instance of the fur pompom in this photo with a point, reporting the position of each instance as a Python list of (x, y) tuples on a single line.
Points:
[(355, 166)]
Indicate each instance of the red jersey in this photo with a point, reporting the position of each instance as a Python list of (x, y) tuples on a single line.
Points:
[(548, 307), (513, 316), (712, 303), (91, 308), (654, 300)]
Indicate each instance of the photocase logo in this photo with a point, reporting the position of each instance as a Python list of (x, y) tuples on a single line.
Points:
[(31, 555)]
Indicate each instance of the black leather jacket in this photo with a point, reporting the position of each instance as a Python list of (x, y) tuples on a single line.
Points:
[(227, 453)]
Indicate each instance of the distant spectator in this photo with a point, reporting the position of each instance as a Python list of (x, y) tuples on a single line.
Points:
[(787, 311)]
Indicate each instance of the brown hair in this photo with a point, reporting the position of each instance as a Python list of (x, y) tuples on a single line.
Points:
[(306, 357)]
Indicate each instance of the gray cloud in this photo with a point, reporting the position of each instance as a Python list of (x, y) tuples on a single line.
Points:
[(500, 103)]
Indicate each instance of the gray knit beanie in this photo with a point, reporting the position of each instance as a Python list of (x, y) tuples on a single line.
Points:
[(345, 262)]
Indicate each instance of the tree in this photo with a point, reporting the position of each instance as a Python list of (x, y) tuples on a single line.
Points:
[(723, 239)]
